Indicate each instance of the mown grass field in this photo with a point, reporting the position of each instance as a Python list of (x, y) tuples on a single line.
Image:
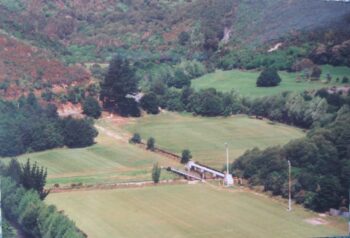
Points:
[(245, 81), (205, 137), (108, 161), (186, 211)]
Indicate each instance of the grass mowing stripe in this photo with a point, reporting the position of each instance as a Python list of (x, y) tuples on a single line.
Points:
[(108, 161), (205, 137), (160, 211)]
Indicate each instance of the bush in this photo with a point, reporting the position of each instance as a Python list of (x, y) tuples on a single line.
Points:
[(179, 80), (316, 73), (92, 108), (151, 144), (135, 139), (78, 133), (207, 102), (345, 80), (47, 95), (184, 37), (75, 95), (156, 171), (186, 156), (268, 78), (149, 103)]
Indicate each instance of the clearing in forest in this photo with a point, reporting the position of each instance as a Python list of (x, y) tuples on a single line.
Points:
[(244, 82)]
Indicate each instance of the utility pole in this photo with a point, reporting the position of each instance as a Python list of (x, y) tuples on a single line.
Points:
[(228, 177), (226, 145), (289, 187)]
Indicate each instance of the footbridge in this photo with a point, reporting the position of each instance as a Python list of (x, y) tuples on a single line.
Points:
[(185, 174), (202, 169)]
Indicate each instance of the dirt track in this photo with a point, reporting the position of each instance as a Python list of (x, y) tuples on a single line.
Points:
[(116, 186)]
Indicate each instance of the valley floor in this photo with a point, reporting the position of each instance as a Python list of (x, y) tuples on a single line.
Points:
[(198, 210), (205, 137), (188, 211), (113, 160)]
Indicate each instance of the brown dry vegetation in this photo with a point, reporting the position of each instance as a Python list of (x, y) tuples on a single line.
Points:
[(22, 65)]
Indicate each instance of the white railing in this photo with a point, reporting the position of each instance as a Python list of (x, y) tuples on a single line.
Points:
[(192, 165)]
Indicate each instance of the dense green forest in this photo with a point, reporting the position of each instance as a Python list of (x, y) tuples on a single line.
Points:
[(26, 126), (22, 194), (321, 165)]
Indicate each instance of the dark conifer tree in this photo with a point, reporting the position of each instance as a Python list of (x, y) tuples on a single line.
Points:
[(118, 87)]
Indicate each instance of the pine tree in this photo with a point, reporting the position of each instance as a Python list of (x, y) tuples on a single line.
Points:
[(119, 83), (34, 177), (156, 171)]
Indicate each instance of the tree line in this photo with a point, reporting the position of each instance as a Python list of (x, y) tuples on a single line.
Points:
[(305, 110), (320, 166), (26, 126), (321, 160), (21, 190), (120, 93)]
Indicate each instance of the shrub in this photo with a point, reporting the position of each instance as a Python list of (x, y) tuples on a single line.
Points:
[(150, 144), (156, 171), (47, 95), (78, 133), (135, 139), (179, 80), (184, 37), (186, 156), (92, 108), (75, 95), (268, 78), (149, 103), (5, 85), (316, 73), (345, 80), (206, 102)]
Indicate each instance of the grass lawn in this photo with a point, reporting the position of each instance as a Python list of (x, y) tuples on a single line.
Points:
[(186, 211), (245, 81), (205, 137), (106, 162)]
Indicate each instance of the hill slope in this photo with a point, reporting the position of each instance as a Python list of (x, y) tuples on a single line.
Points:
[(24, 67), (86, 30), (40, 37)]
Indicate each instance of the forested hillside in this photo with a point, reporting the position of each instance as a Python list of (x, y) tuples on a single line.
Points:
[(83, 31), (40, 38)]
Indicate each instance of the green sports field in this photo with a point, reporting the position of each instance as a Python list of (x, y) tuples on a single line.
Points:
[(205, 137), (187, 211), (108, 161), (245, 81)]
